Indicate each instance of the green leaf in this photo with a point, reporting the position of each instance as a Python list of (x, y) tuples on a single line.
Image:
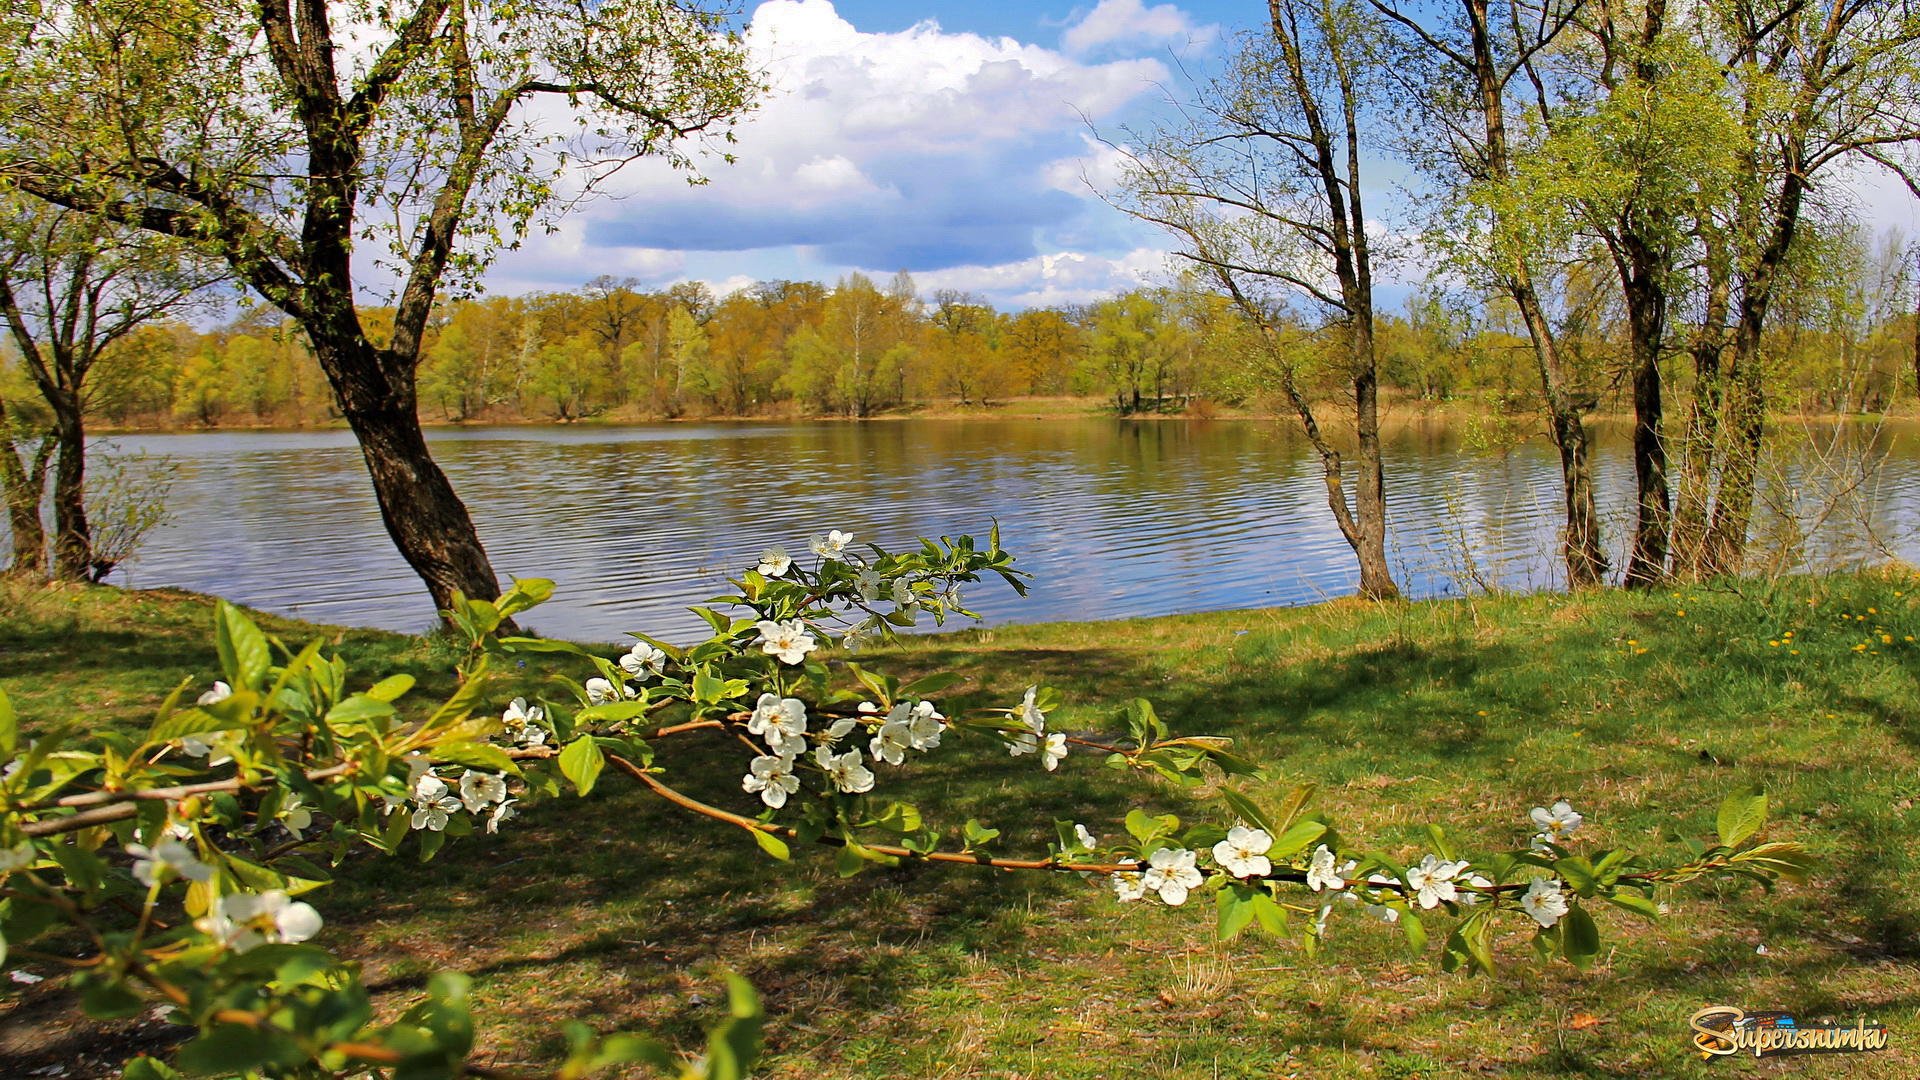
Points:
[(613, 712), (1248, 810), (771, 844), (1578, 873), (194, 721), (1636, 903), (581, 763), (1416, 933), (525, 593), (1296, 839), (734, 1047), (541, 645), (244, 655), (477, 756), (390, 688), (9, 726), (1741, 815), (1783, 858), (360, 709), (1235, 903), (1579, 937)]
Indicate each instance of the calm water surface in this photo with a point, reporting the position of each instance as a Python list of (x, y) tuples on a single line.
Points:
[(1115, 518)]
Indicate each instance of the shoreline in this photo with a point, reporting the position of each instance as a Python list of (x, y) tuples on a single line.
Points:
[(1048, 409)]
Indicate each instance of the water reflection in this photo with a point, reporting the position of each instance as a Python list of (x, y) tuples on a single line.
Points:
[(1116, 518)]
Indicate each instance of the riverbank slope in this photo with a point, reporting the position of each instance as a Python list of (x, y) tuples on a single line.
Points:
[(1643, 709)]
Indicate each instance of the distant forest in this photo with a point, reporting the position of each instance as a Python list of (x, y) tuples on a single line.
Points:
[(1845, 341)]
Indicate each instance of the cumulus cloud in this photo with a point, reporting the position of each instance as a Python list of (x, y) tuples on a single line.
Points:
[(1062, 277), (921, 149), (1132, 23)]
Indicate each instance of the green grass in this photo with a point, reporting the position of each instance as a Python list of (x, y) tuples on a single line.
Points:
[(1644, 709)]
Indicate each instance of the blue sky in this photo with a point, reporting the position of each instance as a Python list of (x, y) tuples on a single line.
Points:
[(945, 139), (950, 140)]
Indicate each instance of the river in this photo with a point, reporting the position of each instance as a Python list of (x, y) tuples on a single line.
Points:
[(1115, 518)]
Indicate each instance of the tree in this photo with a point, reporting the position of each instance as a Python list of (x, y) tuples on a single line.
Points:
[(276, 134), (73, 286), (1487, 226), (1813, 83), (1261, 185)]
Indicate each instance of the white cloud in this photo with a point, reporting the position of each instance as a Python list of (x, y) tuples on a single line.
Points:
[(1063, 277), (1130, 22), (920, 149)]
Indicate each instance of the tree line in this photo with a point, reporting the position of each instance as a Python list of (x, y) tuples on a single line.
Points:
[(1845, 343)]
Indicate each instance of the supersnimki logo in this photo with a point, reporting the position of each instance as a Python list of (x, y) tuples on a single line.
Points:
[(1723, 1031)]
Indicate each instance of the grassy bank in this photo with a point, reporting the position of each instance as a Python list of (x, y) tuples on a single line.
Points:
[(1641, 708)]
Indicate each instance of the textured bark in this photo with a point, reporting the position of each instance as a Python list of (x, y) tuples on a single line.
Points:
[(72, 537), (1640, 279), (1700, 449), (423, 515), (24, 484), (1746, 399)]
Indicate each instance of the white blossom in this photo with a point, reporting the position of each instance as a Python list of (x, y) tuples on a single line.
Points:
[(832, 545), (644, 661), (1323, 874), (926, 725), (602, 692), (845, 770), (869, 585), (841, 728), (774, 562), (891, 743), (1025, 742), (1478, 881), (1244, 852), (1432, 880), (500, 813), (1054, 751), (168, 857), (1129, 885), (522, 722), (204, 745), (1558, 822), (1544, 901), (1384, 913), (771, 777), (780, 722), (242, 921), (903, 594), (1030, 714), (1171, 873), (433, 806), (479, 790), (789, 641), (220, 692), (295, 817), (1086, 838)]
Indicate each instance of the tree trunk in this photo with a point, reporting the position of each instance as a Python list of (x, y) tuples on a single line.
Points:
[(423, 515), (24, 485), (1691, 510), (1370, 498), (72, 536), (1746, 401), (1640, 271)]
